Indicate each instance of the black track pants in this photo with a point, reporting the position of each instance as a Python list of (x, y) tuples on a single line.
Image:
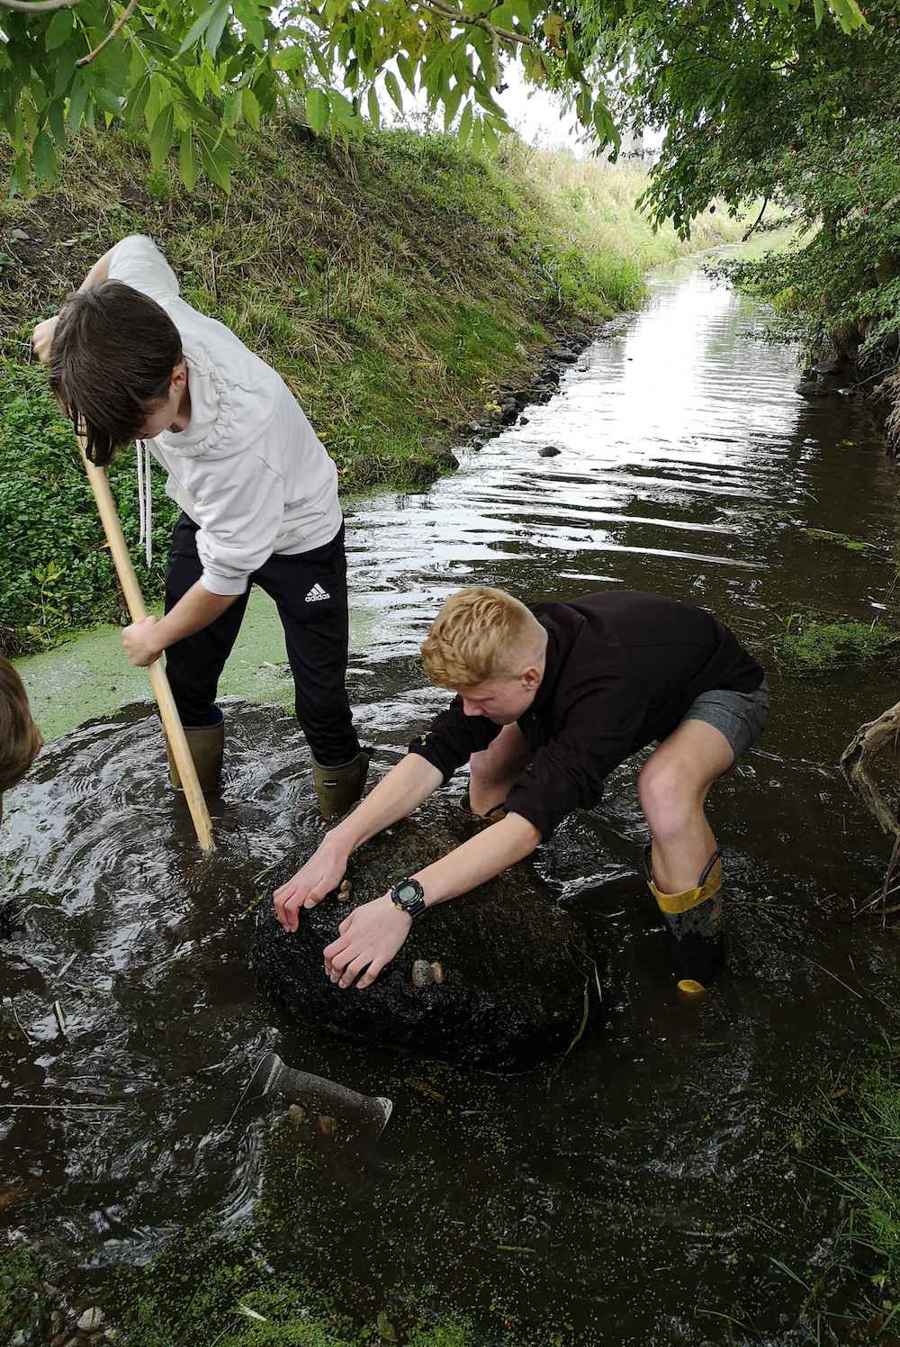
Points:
[(310, 593)]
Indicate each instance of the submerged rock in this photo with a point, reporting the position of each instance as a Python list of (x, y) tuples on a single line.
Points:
[(507, 970)]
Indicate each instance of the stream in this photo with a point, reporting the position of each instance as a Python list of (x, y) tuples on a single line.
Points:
[(660, 1184)]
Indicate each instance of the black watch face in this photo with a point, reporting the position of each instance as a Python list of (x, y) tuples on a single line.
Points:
[(407, 891)]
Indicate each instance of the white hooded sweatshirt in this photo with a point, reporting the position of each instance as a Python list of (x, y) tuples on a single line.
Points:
[(249, 468)]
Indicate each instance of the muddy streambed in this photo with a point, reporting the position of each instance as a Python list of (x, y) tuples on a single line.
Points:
[(636, 1192)]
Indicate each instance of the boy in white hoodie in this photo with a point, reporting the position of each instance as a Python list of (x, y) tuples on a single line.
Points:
[(131, 360)]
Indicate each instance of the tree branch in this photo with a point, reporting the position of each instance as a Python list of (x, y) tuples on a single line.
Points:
[(753, 228), (473, 20), (117, 26), (37, 6)]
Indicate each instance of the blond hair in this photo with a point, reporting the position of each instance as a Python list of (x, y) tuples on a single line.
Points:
[(20, 738), (480, 633)]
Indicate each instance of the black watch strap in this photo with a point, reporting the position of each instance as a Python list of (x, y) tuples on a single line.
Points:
[(409, 896)]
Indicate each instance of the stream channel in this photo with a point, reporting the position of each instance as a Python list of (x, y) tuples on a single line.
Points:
[(658, 1185)]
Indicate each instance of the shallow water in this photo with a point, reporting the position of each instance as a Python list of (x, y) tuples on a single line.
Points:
[(639, 1191)]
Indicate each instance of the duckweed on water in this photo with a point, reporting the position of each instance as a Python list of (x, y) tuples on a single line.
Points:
[(811, 646)]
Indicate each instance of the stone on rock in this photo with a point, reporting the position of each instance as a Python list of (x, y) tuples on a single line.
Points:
[(91, 1320), (549, 451), (508, 968)]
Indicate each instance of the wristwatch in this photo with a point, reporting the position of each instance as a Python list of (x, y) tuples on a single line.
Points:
[(409, 896)]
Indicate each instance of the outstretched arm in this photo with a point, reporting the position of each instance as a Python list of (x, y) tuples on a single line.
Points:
[(42, 336), (396, 795), (372, 934)]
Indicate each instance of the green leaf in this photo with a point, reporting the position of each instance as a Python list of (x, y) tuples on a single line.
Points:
[(216, 26), (57, 121), (819, 7), (393, 88), (251, 20), (161, 136), (451, 105), (342, 110), (59, 29), (231, 113), (318, 109), (216, 165), (65, 61), (407, 69), (465, 124), (187, 160), (20, 177), (44, 159), (289, 58), (374, 110), (251, 109), (77, 99), (197, 29), (160, 93)]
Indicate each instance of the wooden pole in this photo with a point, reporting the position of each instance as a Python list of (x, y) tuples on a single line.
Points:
[(159, 682)]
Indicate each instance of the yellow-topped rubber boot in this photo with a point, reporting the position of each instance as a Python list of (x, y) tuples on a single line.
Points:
[(694, 919)]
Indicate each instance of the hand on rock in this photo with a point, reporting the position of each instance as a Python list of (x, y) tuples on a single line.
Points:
[(321, 874), (369, 938)]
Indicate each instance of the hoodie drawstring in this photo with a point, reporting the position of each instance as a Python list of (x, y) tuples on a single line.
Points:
[(145, 498)]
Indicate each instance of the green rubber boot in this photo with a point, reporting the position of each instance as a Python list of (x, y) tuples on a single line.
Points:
[(340, 788), (207, 744)]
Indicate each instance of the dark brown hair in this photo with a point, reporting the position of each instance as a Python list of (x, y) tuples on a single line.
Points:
[(113, 353), (20, 738)]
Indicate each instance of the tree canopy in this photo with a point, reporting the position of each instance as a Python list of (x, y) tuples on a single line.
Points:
[(763, 105), (188, 73)]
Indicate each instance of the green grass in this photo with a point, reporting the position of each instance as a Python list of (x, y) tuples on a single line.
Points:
[(399, 285), (874, 1182), (809, 646), (202, 1291), (867, 1251)]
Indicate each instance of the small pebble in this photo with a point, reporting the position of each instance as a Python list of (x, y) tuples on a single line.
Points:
[(422, 975), (345, 890), (297, 1114), (437, 971), (325, 1126), (91, 1320), (57, 1321)]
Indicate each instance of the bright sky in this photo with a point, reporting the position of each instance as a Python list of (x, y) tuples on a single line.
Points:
[(537, 114)]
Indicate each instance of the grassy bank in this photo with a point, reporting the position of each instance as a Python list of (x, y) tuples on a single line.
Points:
[(399, 285)]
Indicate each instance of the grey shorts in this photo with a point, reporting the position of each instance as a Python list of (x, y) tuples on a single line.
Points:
[(740, 716)]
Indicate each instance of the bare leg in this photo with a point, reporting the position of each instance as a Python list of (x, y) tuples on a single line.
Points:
[(494, 771), (685, 873), (673, 786)]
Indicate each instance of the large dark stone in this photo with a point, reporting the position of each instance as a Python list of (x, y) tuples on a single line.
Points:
[(516, 968)]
